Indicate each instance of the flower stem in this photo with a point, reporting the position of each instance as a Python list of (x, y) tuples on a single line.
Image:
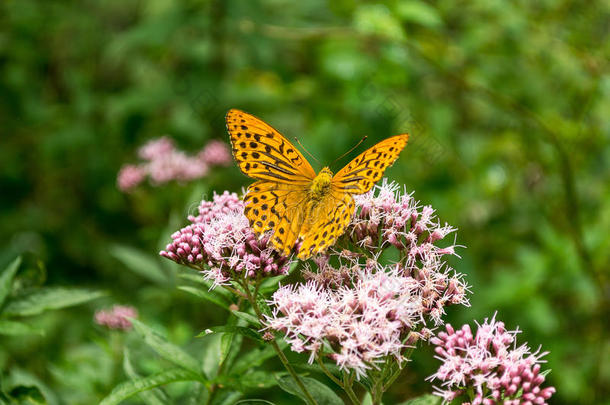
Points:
[(277, 348), (347, 388)]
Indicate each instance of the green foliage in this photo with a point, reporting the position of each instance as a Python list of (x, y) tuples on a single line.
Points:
[(506, 103)]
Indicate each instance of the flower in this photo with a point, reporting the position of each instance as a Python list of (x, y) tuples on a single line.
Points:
[(163, 163), (156, 148), (116, 317), (385, 216), (378, 313), (216, 153), (490, 365), (220, 242), (129, 177)]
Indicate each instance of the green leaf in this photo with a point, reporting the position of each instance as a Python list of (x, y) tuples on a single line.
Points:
[(251, 319), (23, 378), (140, 263), (418, 12), (255, 357), (228, 398), (165, 349), (196, 277), (37, 301), (14, 328), (427, 399), (320, 392), (368, 399), (242, 330), (27, 395), (377, 19), (154, 396), (271, 284), (6, 279), (258, 379), (246, 382), (207, 295), (225, 345), (130, 388)]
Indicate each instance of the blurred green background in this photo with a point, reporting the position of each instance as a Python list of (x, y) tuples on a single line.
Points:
[(507, 104)]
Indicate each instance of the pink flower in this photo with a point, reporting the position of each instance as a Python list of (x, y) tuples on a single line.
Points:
[(216, 153), (176, 165), (116, 317), (156, 148), (129, 177), (490, 365), (378, 313), (220, 242), (385, 216), (163, 163)]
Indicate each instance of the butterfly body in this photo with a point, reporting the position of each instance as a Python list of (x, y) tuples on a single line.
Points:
[(289, 198), (321, 184)]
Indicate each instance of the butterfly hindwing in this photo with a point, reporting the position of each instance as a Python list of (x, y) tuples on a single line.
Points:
[(359, 175), (268, 206), (326, 223), (263, 153)]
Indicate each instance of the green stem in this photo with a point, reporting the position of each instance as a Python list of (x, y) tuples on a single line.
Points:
[(348, 389), (277, 349)]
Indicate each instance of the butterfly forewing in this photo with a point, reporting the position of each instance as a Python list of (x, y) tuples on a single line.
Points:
[(263, 153), (361, 174)]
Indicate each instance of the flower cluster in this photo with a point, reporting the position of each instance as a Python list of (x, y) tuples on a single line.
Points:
[(164, 163), (488, 365), (378, 314), (385, 216), (116, 317), (220, 242)]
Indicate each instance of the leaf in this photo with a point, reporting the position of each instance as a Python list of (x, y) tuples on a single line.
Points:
[(37, 301), (258, 379), (255, 357), (154, 396), (165, 349), (225, 345), (14, 328), (251, 319), (242, 330), (368, 399), (207, 295), (130, 388), (376, 19), (23, 378), (271, 283), (30, 395), (227, 398), (6, 279), (320, 392), (140, 263), (255, 379), (427, 399), (418, 12)]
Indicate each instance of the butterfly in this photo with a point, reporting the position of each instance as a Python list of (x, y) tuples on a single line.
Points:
[(289, 198)]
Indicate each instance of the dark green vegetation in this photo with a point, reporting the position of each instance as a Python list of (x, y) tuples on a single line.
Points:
[(507, 105)]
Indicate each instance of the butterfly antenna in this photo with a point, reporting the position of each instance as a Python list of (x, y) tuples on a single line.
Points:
[(349, 151), (309, 153)]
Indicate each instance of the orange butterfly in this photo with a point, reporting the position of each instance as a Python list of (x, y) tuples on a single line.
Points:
[(289, 198)]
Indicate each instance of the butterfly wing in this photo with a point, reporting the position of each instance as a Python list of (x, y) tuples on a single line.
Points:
[(263, 153), (277, 207), (361, 174), (326, 223)]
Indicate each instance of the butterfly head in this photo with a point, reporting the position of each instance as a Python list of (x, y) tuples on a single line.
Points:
[(320, 186)]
